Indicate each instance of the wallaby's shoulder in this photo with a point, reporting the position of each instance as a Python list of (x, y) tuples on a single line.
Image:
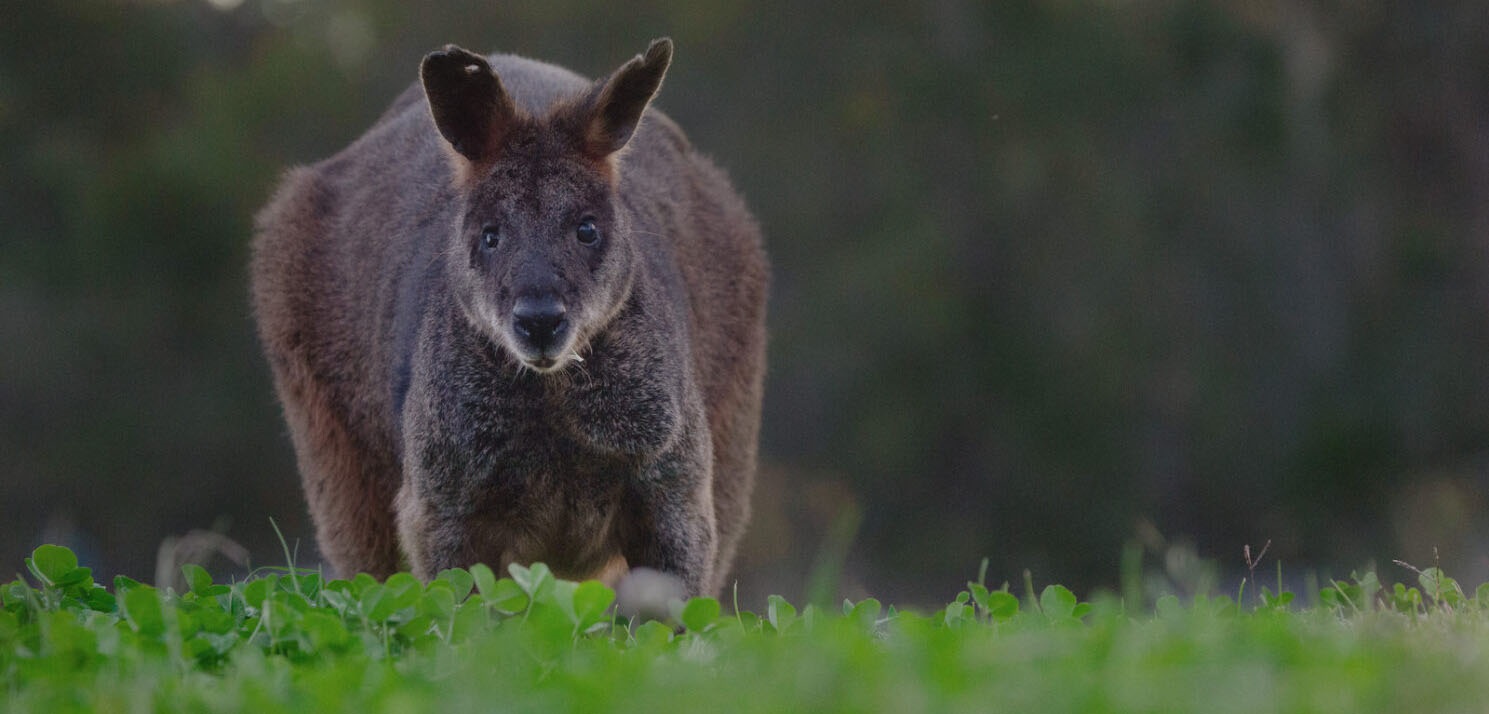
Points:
[(534, 85), (283, 230)]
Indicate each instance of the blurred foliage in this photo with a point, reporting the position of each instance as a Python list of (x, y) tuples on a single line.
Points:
[(1049, 275), (288, 640)]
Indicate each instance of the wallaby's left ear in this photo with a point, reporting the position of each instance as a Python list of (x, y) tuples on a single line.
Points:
[(612, 110), (469, 104)]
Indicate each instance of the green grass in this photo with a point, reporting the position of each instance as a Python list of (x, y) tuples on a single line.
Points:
[(470, 641)]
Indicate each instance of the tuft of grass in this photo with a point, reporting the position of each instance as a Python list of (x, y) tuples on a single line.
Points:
[(469, 640)]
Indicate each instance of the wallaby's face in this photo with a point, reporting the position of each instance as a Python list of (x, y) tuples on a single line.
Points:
[(539, 261), (541, 258)]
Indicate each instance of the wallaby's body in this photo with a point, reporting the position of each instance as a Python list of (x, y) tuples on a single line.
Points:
[(519, 320)]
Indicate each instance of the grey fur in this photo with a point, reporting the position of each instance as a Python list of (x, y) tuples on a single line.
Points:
[(425, 423)]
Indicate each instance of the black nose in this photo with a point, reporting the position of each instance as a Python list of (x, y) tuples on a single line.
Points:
[(539, 320)]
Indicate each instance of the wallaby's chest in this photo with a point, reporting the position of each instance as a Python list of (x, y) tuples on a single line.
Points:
[(533, 492)]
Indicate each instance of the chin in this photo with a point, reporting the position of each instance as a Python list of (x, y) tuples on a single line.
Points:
[(546, 361), (545, 365)]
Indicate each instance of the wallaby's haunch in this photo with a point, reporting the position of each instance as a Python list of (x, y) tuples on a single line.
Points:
[(519, 320)]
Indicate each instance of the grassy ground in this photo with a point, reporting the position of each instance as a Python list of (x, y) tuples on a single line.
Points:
[(472, 642)]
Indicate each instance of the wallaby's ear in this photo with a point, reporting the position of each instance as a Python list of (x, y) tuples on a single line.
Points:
[(612, 110), (469, 105)]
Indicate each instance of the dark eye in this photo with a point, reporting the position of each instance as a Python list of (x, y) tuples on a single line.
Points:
[(587, 233), (490, 237)]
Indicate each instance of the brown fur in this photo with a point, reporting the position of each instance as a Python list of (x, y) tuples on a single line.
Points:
[(438, 418)]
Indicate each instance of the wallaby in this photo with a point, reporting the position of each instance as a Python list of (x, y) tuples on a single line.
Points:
[(519, 320)]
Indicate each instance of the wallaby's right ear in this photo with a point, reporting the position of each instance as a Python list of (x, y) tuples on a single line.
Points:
[(614, 107), (470, 107)]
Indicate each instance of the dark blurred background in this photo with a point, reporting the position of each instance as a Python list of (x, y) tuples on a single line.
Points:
[(1051, 277)]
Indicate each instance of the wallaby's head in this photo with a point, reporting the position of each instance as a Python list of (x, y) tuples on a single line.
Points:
[(541, 257)]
